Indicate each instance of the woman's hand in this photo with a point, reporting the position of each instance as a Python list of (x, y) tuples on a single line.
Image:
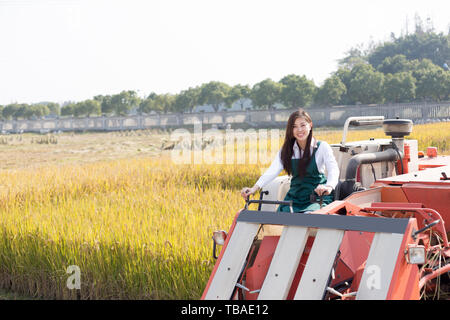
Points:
[(323, 190), (246, 192)]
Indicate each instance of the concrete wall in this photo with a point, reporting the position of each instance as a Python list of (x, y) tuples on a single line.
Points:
[(334, 116)]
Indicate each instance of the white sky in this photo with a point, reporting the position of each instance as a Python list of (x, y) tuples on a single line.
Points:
[(59, 50)]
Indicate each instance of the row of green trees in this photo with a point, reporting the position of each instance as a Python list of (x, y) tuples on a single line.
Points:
[(26, 111), (406, 69)]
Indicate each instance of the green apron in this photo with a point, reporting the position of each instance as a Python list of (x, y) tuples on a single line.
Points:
[(302, 188)]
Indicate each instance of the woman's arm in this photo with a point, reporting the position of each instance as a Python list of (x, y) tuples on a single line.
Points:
[(326, 158), (271, 173)]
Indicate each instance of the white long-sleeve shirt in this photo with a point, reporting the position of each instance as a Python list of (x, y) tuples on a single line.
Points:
[(326, 164)]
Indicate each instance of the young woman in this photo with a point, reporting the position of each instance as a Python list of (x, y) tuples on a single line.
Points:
[(305, 159)]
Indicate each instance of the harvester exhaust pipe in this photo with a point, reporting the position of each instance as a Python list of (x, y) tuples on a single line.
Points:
[(365, 158), (397, 129), (349, 186)]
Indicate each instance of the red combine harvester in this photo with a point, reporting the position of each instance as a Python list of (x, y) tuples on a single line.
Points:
[(384, 237)]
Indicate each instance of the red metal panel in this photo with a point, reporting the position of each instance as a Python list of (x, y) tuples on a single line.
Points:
[(405, 279), (433, 197), (256, 274), (355, 248), (393, 194)]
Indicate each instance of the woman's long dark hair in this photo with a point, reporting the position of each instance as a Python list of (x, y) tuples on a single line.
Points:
[(287, 148)]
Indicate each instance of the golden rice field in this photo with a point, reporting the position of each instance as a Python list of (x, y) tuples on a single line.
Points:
[(137, 225)]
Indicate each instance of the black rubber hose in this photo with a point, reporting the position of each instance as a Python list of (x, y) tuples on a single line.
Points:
[(348, 186), (370, 157)]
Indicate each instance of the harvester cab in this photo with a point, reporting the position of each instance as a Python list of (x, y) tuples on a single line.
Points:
[(384, 237)]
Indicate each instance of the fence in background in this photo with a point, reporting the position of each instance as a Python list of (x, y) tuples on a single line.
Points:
[(333, 117)]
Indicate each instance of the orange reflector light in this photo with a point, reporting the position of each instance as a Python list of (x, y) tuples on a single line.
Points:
[(219, 237), (432, 152), (416, 254)]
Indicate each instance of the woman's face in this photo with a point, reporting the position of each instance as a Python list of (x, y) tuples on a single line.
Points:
[(301, 130)]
